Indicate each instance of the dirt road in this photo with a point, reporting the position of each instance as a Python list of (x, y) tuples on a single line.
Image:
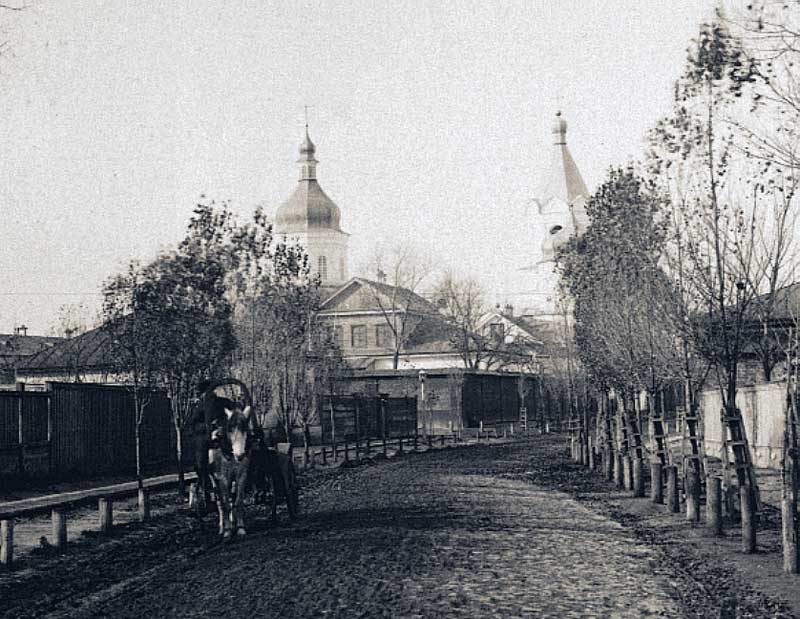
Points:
[(452, 533)]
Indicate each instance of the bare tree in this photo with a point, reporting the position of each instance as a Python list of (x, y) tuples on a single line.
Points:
[(400, 275), (462, 302), (75, 319)]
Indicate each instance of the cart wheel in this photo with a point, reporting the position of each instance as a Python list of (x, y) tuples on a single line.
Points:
[(292, 499)]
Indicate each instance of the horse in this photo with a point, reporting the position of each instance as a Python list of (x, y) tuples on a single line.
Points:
[(229, 465)]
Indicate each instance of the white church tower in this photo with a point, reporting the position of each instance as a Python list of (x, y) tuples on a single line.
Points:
[(309, 218), (561, 209)]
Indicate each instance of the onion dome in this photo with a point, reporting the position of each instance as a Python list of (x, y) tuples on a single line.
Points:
[(308, 208)]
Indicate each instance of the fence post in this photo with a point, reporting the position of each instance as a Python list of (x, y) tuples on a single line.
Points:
[(748, 521), (619, 470), (692, 495), (400, 445), (627, 472), (6, 542), (144, 504), (346, 453), (656, 483), (59, 527), (673, 498), (105, 508), (324, 456), (714, 505), (638, 478)]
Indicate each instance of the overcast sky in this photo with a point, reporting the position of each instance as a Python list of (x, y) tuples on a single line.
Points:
[(431, 120)]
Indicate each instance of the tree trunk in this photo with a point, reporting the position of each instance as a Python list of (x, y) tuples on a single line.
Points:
[(306, 442), (139, 477), (789, 488), (179, 460)]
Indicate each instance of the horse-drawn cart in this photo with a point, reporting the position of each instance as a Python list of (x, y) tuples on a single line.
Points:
[(242, 468)]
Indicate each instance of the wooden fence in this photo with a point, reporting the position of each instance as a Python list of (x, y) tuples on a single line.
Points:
[(81, 430), (351, 418)]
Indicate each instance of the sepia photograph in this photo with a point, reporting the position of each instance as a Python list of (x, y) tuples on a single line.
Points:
[(411, 309)]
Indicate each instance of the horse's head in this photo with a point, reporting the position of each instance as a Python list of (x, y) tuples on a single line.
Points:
[(236, 429)]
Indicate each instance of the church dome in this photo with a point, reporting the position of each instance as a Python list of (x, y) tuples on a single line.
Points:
[(307, 147), (308, 208)]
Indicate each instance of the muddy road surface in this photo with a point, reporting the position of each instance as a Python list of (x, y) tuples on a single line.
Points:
[(458, 532)]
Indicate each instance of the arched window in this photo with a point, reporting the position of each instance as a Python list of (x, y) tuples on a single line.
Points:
[(322, 267)]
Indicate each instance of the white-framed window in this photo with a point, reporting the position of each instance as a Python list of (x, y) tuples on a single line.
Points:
[(358, 336), (383, 336), (497, 331)]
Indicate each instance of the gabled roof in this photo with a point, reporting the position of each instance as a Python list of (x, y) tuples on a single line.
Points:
[(92, 346), (529, 328), (375, 291)]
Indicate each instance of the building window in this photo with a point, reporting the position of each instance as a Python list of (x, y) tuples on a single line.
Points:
[(383, 336), (497, 331), (358, 336), (322, 268)]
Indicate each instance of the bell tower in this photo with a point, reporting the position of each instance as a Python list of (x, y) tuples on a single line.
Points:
[(309, 218)]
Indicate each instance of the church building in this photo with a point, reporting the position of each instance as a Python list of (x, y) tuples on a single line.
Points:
[(561, 209), (309, 218)]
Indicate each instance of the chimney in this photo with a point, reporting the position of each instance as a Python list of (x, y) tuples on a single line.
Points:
[(21, 330), (509, 310), (381, 276)]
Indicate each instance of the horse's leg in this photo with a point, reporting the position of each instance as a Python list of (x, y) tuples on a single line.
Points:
[(241, 485), (220, 503), (224, 505)]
